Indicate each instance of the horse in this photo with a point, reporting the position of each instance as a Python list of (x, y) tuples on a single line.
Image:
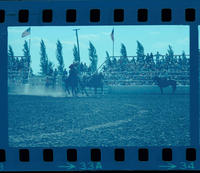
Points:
[(164, 82), (72, 82), (49, 82), (95, 81)]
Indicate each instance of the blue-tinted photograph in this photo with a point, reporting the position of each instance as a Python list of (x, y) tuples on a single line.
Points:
[(98, 86)]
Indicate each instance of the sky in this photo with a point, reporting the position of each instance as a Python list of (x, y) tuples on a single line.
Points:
[(153, 38)]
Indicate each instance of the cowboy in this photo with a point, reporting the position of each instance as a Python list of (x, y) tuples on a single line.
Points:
[(73, 68), (73, 65)]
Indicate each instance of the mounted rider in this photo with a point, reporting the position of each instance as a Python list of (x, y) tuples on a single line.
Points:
[(73, 68), (74, 73)]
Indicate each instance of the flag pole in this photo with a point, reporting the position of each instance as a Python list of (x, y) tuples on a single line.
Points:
[(113, 41)]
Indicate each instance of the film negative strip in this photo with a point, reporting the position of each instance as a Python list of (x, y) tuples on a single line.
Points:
[(99, 85)]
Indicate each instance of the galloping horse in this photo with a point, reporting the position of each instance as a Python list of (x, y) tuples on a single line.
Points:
[(72, 82), (164, 82), (77, 84), (95, 81)]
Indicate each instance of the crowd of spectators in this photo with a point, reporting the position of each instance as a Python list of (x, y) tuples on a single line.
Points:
[(120, 70), (140, 71)]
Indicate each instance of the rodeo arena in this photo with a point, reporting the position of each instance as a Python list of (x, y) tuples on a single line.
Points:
[(131, 110), (126, 101)]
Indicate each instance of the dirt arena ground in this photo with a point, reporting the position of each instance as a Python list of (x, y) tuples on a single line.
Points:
[(107, 120)]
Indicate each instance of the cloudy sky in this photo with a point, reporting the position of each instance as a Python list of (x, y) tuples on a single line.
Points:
[(153, 38)]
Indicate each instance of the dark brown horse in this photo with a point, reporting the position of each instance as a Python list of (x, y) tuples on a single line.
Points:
[(95, 81), (72, 83), (164, 82), (75, 84)]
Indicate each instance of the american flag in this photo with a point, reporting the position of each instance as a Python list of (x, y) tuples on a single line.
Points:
[(112, 35), (26, 32)]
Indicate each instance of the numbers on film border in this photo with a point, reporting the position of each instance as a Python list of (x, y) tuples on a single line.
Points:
[(82, 166), (180, 165)]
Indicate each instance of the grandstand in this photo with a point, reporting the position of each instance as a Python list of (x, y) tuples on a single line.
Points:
[(132, 72)]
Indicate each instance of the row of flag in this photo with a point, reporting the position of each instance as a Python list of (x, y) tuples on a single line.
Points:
[(112, 35), (28, 32)]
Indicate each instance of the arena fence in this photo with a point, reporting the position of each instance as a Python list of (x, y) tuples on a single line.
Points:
[(113, 77)]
